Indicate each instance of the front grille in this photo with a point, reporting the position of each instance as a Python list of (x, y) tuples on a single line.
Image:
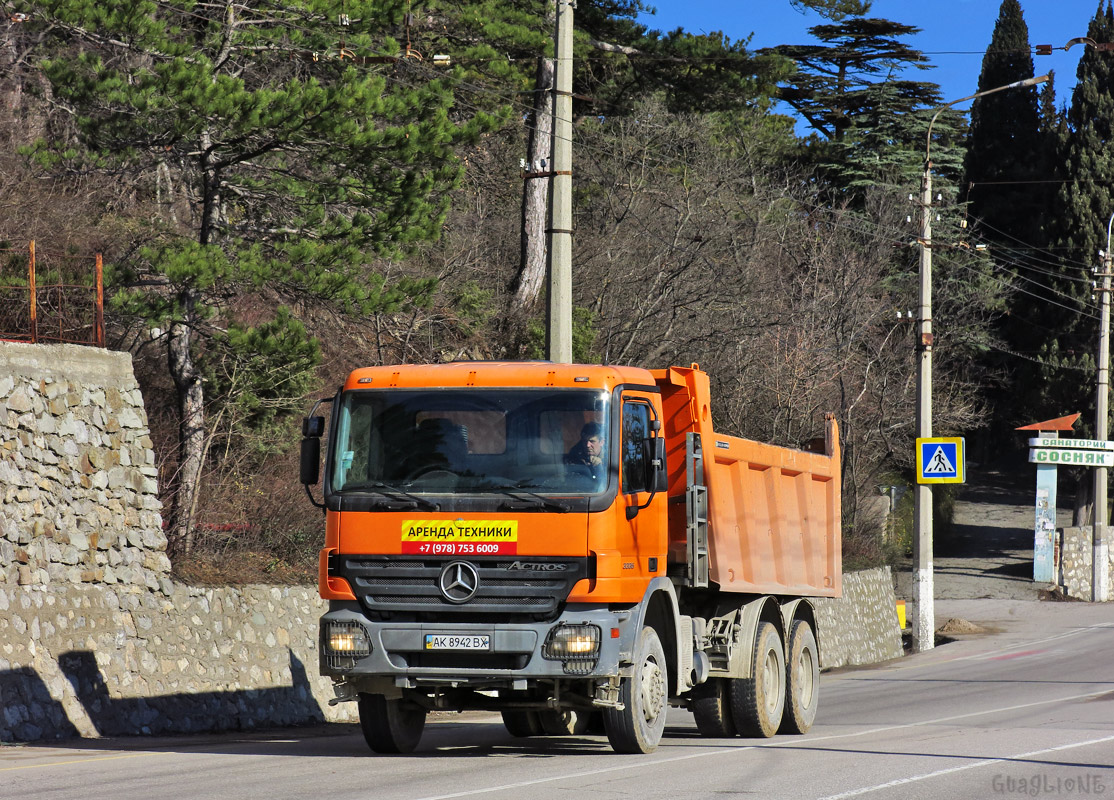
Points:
[(408, 590)]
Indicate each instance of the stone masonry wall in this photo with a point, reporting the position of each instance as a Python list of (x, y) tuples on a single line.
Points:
[(77, 475), (97, 640), (1075, 561), (95, 660), (88, 660), (862, 626)]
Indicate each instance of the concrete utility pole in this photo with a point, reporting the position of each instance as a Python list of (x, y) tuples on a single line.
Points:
[(924, 614), (559, 252), (1100, 572)]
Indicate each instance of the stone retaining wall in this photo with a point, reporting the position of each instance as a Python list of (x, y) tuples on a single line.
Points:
[(77, 474), (97, 640), (101, 661), (1075, 561), (862, 626), (95, 660)]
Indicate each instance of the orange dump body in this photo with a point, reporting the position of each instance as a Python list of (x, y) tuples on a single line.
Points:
[(773, 512)]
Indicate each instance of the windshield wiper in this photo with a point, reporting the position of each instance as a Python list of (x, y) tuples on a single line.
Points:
[(414, 500), (532, 499)]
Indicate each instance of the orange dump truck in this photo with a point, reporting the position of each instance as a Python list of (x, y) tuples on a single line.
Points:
[(570, 545)]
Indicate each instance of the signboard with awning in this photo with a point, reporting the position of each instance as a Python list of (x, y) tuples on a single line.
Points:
[(1049, 451), (1071, 458), (1073, 444)]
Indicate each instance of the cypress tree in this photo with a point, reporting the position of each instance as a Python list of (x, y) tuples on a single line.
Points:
[(1004, 151), (1086, 199), (1084, 160)]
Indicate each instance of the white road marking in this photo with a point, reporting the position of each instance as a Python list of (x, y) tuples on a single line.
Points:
[(643, 763), (961, 768)]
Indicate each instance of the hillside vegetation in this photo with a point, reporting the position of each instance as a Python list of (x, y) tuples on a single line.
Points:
[(284, 191)]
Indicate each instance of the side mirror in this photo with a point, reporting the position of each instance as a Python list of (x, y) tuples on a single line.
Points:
[(309, 469), (313, 427)]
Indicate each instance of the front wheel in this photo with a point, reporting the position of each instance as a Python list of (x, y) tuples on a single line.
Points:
[(758, 702), (802, 679), (391, 726), (638, 727)]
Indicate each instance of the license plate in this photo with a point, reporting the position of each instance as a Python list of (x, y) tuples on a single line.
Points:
[(444, 641)]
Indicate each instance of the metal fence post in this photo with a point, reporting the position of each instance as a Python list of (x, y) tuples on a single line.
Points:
[(100, 302), (31, 282)]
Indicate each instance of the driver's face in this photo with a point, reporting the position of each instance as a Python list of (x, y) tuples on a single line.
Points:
[(595, 446)]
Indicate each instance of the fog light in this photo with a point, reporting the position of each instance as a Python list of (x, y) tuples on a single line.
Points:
[(347, 639), (572, 642)]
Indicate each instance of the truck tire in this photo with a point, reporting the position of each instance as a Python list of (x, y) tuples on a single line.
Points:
[(758, 702), (638, 726), (564, 722), (522, 723), (390, 726), (802, 679), (711, 706)]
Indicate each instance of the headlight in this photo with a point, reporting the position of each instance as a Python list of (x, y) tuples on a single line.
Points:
[(567, 642), (346, 639)]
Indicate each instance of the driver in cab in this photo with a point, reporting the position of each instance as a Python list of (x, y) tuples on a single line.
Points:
[(589, 450)]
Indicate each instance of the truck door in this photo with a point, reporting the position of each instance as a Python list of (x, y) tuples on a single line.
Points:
[(636, 481)]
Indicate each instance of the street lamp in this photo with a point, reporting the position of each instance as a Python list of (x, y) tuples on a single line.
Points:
[(924, 626), (1099, 568)]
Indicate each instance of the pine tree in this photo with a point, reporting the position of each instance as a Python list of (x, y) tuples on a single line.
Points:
[(834, 10), (851, 73), (1004, 153), (272, 156)]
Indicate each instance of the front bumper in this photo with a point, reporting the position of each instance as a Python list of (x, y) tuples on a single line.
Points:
[(398, 653)]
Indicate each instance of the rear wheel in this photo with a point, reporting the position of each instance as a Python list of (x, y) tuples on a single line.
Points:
[(711, 706), (758, 702), (802, 679), (638, 727), (391, 726), (522, 723)]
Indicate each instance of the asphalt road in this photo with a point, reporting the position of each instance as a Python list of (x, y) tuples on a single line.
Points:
[(1025, 708)]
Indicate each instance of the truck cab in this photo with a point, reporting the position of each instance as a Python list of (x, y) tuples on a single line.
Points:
[(475, 547)]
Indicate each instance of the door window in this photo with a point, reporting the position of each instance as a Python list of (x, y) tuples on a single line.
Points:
[(636, 428)]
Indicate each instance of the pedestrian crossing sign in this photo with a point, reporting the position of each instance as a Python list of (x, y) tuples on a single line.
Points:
[(940, 460)]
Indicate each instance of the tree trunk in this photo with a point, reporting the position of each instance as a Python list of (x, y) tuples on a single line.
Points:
[(11, 90), (1083, 511), (191, 427), (535, 191)]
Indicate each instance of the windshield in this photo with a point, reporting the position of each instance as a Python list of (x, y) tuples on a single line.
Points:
[(471, 440)]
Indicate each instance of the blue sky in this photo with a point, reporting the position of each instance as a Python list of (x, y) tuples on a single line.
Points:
[(954, 35)]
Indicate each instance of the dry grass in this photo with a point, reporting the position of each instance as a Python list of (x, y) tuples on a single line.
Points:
[(240, 569)]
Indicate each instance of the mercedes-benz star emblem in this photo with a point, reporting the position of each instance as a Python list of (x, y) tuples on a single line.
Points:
[(459, 581)]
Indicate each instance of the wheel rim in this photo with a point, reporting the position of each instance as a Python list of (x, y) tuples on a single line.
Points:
[(806, 678), (771, 670), (652, 690)]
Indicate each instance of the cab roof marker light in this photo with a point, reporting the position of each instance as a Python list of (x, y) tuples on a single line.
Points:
[(580, 379), (364, 380)]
